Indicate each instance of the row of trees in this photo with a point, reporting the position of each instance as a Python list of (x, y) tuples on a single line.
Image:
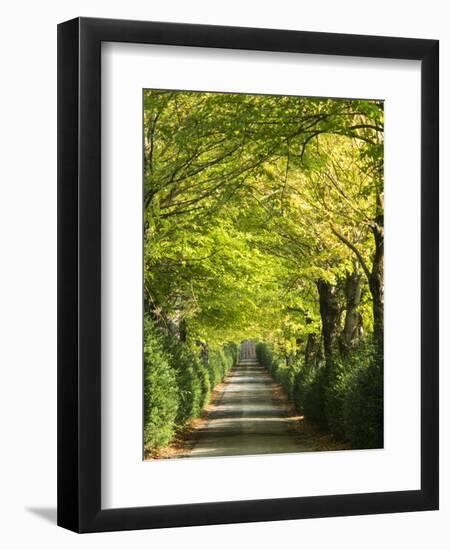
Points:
[(264, 219)]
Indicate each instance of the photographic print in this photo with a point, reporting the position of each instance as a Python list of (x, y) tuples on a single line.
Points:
[(221, 274), (263, 274)]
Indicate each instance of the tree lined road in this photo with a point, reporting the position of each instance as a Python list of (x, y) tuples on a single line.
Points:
[(263, 219), (247, 417)]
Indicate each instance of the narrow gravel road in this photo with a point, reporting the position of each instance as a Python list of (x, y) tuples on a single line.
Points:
[(247, 417)]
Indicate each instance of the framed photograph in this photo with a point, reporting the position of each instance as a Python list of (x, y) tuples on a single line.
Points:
[(247, 276)]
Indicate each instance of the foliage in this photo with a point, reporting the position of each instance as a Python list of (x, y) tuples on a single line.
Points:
[(258, 211), (177, 383), (190, 381), (353, 401), (220, 362), (160, 391), (281, 372), (363, 416)]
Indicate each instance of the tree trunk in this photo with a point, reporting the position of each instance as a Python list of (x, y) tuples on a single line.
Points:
[(353, 320), (311, 349), (330, 312), (182, 330), (376, 284), (375, 277)]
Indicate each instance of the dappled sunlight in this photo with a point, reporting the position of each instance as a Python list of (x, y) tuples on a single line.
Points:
[(247, 419), (263, 271)]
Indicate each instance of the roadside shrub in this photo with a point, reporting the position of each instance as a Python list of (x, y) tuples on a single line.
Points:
[(220, 362), (231, 351), (282, 373), (160, 392), (188, 381), (202, 372), (363, 406), (285, 376), (215, 367), (264, 355), (177, 383), (334, 393), (354, 402), (196, 378), (308, 393), (348, 401)]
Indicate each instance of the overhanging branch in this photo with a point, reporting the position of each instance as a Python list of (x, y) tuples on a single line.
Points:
[(354, 250)]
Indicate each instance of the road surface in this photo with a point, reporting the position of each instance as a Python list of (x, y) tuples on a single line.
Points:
[(247, 417)]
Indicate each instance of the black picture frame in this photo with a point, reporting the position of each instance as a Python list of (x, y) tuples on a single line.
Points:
[(79, 274)]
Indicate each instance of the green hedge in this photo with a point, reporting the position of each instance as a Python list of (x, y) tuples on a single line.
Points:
[(309, 393), (160, 392), (190, 381), (220, 362), (276, 365), (177, 383), (349, 404)]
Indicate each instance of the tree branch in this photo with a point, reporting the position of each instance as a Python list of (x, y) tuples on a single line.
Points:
[(354, 250), (368, 126)]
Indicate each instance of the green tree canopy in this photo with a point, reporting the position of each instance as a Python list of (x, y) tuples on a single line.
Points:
[(249, 201)]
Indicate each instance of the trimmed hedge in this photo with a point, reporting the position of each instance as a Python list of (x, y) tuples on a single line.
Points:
[(177, 383), (220, 362), (276, 365), (160, 392), (350, 405)]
